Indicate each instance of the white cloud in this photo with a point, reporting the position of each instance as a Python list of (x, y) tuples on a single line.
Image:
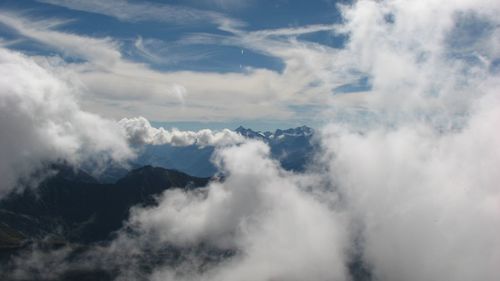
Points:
[(112, 81), (227, 4), (146, 11), (420, 177), (101, 51), (295, 31), (41, 122), (278, 230), (139, 131), (408, 62), (427, 202)]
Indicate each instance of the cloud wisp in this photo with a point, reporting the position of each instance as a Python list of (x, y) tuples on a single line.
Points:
[(307, 80), (147, 11), (102, 51)]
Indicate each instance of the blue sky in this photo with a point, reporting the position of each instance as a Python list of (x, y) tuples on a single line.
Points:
[(242, 57)]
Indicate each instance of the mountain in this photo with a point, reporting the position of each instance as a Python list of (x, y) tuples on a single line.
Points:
[(76, 207), (277, 135), (71, 216), (72, 211), (293, 148), (192, 159)]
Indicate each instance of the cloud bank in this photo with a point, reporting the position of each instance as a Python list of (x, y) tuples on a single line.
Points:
[(41, 122), (419, 176), (140, 132), (261, 218)]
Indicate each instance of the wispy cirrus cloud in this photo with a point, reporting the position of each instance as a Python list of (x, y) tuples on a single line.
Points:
[(112, 80), (146, 11), (228, 4), (103, 51), (159, 52)]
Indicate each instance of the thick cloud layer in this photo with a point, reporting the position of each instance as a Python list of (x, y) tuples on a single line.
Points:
[(274, 227), (41, 122), (139, 132), (427, 203), (420, 180)]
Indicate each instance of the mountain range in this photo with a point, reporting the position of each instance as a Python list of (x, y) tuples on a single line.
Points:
[(76, 207), (76, 210), (72, 210), (80, 207), (293, 148)]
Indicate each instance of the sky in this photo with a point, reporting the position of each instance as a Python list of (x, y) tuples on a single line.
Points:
[(189, 64)]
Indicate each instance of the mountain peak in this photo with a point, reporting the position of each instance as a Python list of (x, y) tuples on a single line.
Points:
[(249, 133), (268, 135), (302, 131), (240, 128)]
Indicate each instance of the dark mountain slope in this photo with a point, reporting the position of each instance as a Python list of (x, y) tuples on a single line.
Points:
[(73, 205)]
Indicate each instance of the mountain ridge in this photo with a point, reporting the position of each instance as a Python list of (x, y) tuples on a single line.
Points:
[(74, 205), (268, 135), (293, 148)]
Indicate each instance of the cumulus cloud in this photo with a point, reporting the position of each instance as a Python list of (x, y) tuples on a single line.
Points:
[(41, 122), (139, 132), (427, 203), (419, 179), (260, 223), (412, 67), (264, 216)]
